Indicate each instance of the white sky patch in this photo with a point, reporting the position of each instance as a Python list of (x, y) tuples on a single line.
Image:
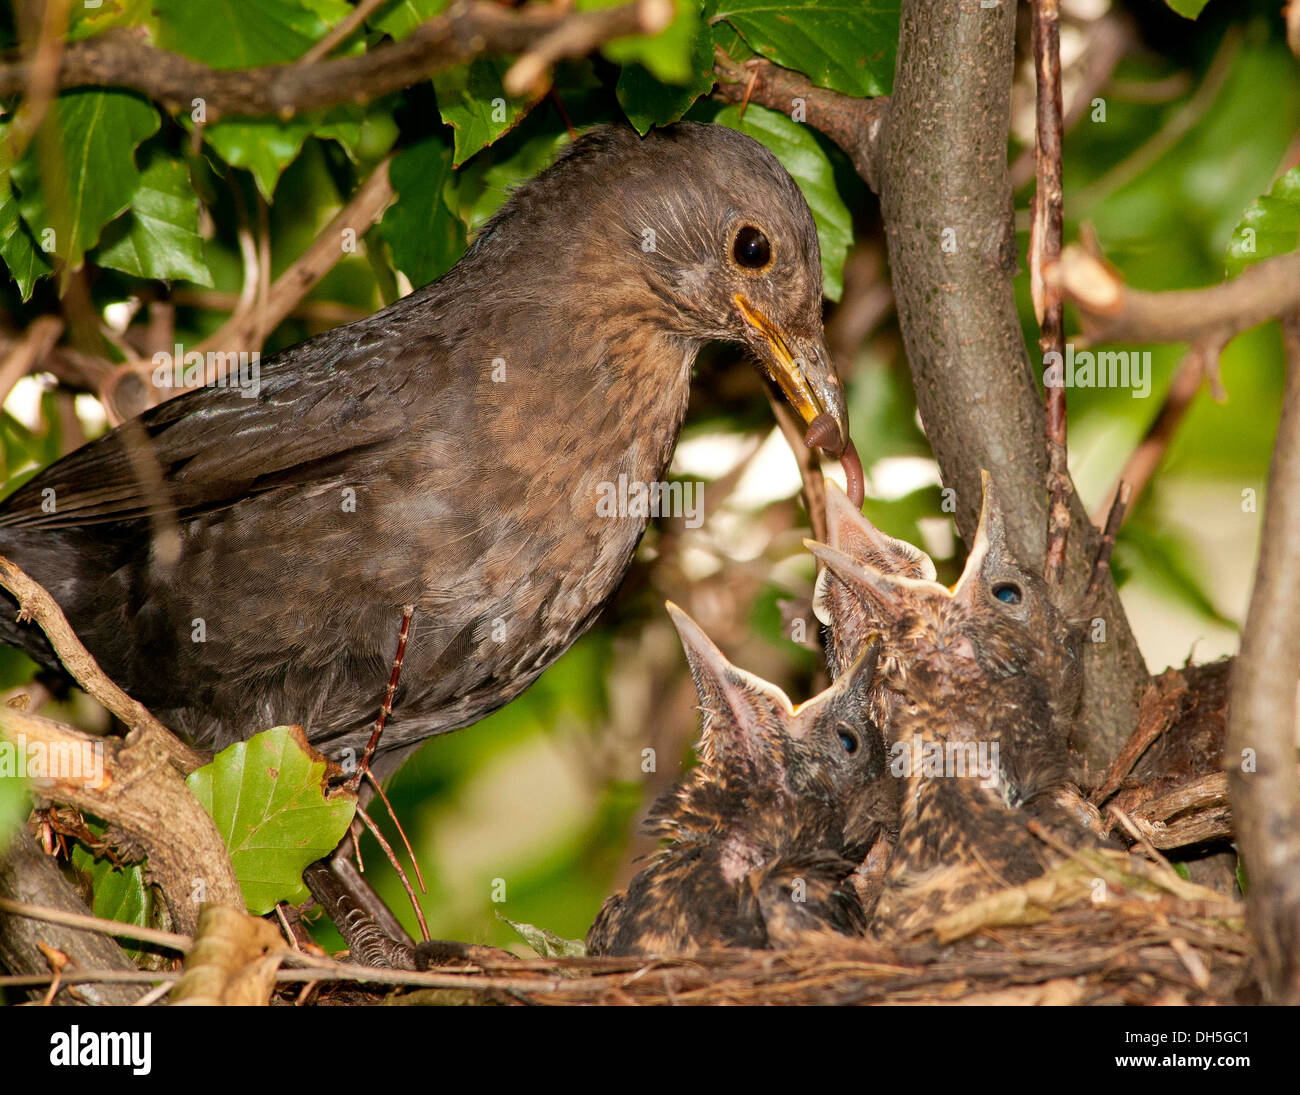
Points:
[(90, 411), (771, 476), (711, 455), (937, 537), (698, 564), (24, 400), (896, 477)]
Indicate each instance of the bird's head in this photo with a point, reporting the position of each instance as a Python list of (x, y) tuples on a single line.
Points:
[(998, 623), (758, 745), (701, 230)]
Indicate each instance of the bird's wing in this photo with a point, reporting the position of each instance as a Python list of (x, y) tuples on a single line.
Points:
[(316, 403)]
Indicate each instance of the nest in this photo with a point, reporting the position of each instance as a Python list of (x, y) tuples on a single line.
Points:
[(1101, 928)]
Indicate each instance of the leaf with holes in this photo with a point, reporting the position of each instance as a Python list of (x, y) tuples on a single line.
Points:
[(268, 798), (1269, 227), (796, 148)]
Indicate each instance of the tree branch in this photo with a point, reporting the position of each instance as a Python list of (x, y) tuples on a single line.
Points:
[(947, 206), (468, 29), (1260, 751), (1113, 312)]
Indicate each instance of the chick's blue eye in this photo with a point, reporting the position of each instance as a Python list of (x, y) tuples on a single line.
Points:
[(849, 742), (1008, 593)]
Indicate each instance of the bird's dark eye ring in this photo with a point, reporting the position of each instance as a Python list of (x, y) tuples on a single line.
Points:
[(751, 249), (1008, 593), (849, 742)]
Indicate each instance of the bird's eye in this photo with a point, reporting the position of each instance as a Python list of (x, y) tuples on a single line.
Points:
[(849, 742), (751, 249), (1007, 592)]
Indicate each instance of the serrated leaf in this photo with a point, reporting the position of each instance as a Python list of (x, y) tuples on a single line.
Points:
[(546, 943), (798, 150), (91, 137), (23, 258), (158, 237), (267, 797), (427, 238), (648, 101), (667, 54), (1188, 9), (472, 101), (847, 45), (1269, 227), (401, 17)]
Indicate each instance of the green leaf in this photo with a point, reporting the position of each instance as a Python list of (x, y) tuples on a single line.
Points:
[(119, 893), (159, 235), (426, 236), (472, 101), (546, 943), (245, 33), (667, 54), (1188, 9), (267, 796), (847, 45), (266, 146), (85, 21), (1161, 561), (14, 803), (92, 137), (796, 148), (401, 17), (24, 259), (1269, 227), (648, 101)]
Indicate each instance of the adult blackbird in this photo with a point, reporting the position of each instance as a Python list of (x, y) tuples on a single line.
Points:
[(982, 677), (481, 450), (763, 836)]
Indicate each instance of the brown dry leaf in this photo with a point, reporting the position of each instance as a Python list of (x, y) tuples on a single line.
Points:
[(233, 961)]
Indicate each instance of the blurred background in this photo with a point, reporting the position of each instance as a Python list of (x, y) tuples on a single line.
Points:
[(1176, 127)]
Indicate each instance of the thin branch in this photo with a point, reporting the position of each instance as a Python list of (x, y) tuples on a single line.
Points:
[(1045, 248), (1260, 749), (172, 940), (35, 604), (29, 352), (341, 32), (1110, 530), (1183, 388), (853, 124), (1113, 312), (122, 58)]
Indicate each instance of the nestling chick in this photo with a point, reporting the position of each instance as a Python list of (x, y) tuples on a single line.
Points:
[(764, 833), (982, 678)]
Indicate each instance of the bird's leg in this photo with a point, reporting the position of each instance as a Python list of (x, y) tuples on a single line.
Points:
[(386, 707), (374, 935)]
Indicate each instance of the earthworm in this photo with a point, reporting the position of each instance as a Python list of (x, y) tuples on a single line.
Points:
[(824, 433)]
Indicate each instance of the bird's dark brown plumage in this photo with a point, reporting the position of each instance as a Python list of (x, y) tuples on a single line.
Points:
[(989, 671), (763, 836), (446, 453)]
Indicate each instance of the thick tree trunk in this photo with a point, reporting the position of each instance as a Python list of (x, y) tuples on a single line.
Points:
[(946, 200)]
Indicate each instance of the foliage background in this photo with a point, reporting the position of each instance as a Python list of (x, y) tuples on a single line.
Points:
[(1200, 118)]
